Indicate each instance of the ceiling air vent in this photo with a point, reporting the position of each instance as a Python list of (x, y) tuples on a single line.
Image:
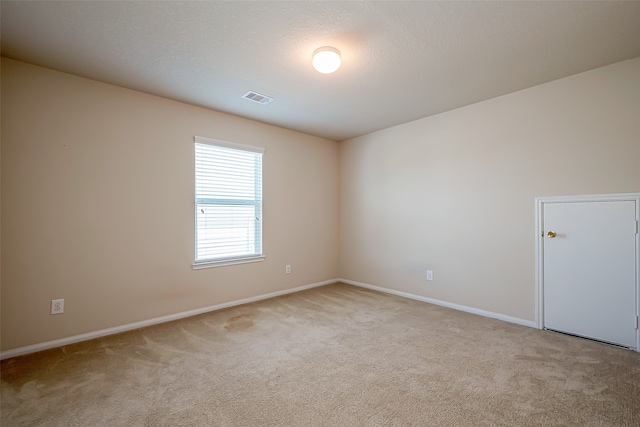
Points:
[(256, 97)]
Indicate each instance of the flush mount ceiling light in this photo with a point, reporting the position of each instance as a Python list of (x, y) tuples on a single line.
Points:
[(326, 59)]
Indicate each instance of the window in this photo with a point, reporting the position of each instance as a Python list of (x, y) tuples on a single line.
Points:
[(228, 203)]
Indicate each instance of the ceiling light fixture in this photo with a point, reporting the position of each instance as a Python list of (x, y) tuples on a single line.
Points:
[(326, 59)]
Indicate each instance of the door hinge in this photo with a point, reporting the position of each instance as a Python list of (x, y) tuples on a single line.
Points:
[(637, 226), (637, 322)]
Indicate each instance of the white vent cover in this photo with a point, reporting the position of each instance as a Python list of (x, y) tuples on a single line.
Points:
[(256, 97)]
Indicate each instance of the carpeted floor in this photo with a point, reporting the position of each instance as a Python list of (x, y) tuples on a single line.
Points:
[(331, 356)]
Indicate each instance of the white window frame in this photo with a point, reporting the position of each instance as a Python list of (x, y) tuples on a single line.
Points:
[(233, 259)]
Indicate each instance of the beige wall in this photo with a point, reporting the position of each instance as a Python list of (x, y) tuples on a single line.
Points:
[(455, 192), (97, 206), (97, 198)]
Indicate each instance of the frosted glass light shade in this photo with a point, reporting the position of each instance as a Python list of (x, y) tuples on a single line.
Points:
[(326, 60)]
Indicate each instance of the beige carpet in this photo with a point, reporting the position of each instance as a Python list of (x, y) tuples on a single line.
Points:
[(331, 356)]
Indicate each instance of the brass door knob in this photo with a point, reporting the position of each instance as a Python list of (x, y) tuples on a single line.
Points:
[(551, 234)]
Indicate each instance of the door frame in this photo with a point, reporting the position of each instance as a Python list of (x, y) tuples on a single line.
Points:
[(539, 270)]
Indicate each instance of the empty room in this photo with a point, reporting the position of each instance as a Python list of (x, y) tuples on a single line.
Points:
[(320, 213)]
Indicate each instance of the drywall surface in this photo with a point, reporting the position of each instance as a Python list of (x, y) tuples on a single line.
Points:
[(454, 193), (98, 209)]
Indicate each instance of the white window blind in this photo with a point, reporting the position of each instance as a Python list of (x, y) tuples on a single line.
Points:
[(228, 201)]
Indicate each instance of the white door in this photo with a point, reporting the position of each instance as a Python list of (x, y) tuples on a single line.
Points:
[(589, 256)]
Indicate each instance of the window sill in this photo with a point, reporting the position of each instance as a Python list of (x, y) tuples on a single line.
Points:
[(225, 262)]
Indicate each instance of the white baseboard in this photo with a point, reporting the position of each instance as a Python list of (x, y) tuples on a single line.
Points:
[(478, 311), (157, 320), (144, 323)]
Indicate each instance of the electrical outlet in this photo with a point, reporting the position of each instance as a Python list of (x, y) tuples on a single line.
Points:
[(287, 269), (429, 275), (57, 306)]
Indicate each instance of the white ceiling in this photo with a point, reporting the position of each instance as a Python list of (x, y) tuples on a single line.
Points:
[(401, 60)]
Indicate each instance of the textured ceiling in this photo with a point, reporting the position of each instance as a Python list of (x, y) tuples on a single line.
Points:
[(401, 60)]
